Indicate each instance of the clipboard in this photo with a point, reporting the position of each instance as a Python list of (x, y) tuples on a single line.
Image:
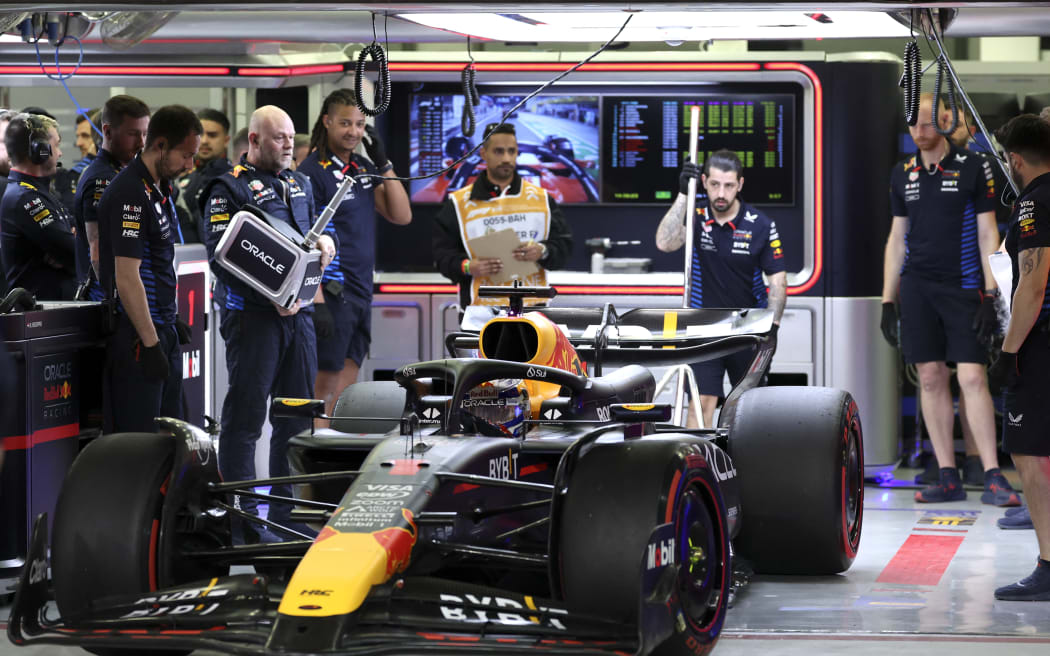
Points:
[(501, 244)]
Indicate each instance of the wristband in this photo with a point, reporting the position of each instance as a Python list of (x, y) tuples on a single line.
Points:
[(464, 266), (543, 254), (387, 167), (990, 292)]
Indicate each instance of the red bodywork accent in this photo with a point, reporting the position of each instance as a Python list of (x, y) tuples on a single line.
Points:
[(398, 543), (19, 442)]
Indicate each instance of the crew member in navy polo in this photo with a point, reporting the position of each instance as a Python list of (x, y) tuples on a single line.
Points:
[(1023, 367), (344, 320), (270, 351), (943, 205), (733, 245), (124, 122), (36, 231), (137, 237)]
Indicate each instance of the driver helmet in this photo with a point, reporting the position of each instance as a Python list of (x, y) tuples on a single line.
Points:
[(499, 407)]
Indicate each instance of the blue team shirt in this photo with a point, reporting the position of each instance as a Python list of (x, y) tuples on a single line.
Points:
[(1030, 228), (36, 238), (137, 219), (729, 259), (942, 209), (354, 222), (99, 172)]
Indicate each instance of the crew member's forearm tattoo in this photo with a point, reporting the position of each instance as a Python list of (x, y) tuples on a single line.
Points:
[(1030, 258), (670, 234)]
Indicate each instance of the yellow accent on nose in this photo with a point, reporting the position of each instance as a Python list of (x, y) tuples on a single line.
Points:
[(670, 326), (345, 566)]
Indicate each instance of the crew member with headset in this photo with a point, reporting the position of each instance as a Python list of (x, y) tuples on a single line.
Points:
[(487, 203), (124, 123), (269, 350), (1023, 367), (344, 320), (211, 162), (36, 230), (137, 228), (733, 245)]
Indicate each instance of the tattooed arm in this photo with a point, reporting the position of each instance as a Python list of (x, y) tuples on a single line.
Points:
[(1033, 266), (777, 295), (670, 234)]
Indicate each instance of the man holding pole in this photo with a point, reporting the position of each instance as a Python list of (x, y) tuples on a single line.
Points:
[(733, 244)]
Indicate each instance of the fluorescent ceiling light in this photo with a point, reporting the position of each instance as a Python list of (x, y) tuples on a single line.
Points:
[(598, 26)]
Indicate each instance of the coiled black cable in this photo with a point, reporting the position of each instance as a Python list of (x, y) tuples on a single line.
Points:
[(911, 81), (468, 121), (382, 92), (952, 103)]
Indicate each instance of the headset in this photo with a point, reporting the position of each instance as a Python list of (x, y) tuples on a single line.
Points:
[(39, 141)]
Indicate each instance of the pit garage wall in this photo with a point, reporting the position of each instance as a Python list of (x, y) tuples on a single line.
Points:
[(830, 332)]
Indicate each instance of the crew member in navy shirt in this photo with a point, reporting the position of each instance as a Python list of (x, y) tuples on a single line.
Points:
[(270, 351), (124, 123), (137, 228), (943, 204), (344, 320), (733, 245), (36, 229), (1023, 367)]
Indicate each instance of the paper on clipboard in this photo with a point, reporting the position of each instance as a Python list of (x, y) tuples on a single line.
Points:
[(501, 244)]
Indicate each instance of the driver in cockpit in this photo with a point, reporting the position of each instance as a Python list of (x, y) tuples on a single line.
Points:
[(498, 199)]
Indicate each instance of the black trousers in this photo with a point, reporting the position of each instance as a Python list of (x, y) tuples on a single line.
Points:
[(132, 400)]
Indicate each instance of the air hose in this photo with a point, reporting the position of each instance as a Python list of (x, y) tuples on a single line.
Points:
[(911, 81), (952, 104), (471, 99), (382, 92)]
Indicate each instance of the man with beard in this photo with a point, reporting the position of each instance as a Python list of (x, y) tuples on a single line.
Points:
[(143, 377), (500, 192), (733, 245), (211, 162), (124, 122), (344, 319), (1023, 367), (270, 350), (943, 203)]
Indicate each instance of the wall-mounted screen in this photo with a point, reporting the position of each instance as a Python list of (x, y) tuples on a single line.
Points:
[(558, 137), (645, 139)]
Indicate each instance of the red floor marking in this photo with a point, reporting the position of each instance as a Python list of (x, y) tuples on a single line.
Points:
[(921, 560)]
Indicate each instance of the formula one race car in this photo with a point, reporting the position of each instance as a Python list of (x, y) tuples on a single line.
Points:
[(552, 165), (493, 504)]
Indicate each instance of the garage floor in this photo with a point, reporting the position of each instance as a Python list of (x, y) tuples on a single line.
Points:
[(922, 584)]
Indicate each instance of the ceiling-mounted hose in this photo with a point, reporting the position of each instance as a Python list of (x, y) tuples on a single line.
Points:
[(952, 103), (911, 82), (471, 100), (382, 93)]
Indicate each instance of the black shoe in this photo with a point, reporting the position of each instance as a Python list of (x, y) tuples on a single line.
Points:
[(949, 488), (1034, 587)]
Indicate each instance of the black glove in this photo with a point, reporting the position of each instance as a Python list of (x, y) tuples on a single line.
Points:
[(1004, 372), (324, 322), (374, 147), (986, 321), (889, 324), (183, 330), (153, 361), (690, 171)]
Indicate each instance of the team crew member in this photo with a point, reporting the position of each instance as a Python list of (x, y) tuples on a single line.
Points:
[(211, 163), (5, 170), (36, 230), (137, 244), (545, 235), (1023, 367), (943, 202), (85, 142), (124, 122), (269, 350), (344, 319), (733, 245)]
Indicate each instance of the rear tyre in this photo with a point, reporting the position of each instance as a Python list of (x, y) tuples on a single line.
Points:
[(373, 398), (107, 524), (618, 494), (799, 454)]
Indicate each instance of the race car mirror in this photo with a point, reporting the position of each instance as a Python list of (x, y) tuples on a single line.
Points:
[(267, 254), (304, 408), (631, 413), (517, 294)]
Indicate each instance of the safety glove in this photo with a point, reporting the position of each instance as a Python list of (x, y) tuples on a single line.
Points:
[(986, 321), (690, 171), (324, 322), (374, 147), (152, 359), (889, 324)]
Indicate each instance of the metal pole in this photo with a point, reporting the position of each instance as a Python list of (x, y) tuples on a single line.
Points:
[(687, 282)]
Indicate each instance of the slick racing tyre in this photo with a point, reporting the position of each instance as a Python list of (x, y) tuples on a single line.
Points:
[(107, 524), (644, 520), (799, 456), (373, 398)]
